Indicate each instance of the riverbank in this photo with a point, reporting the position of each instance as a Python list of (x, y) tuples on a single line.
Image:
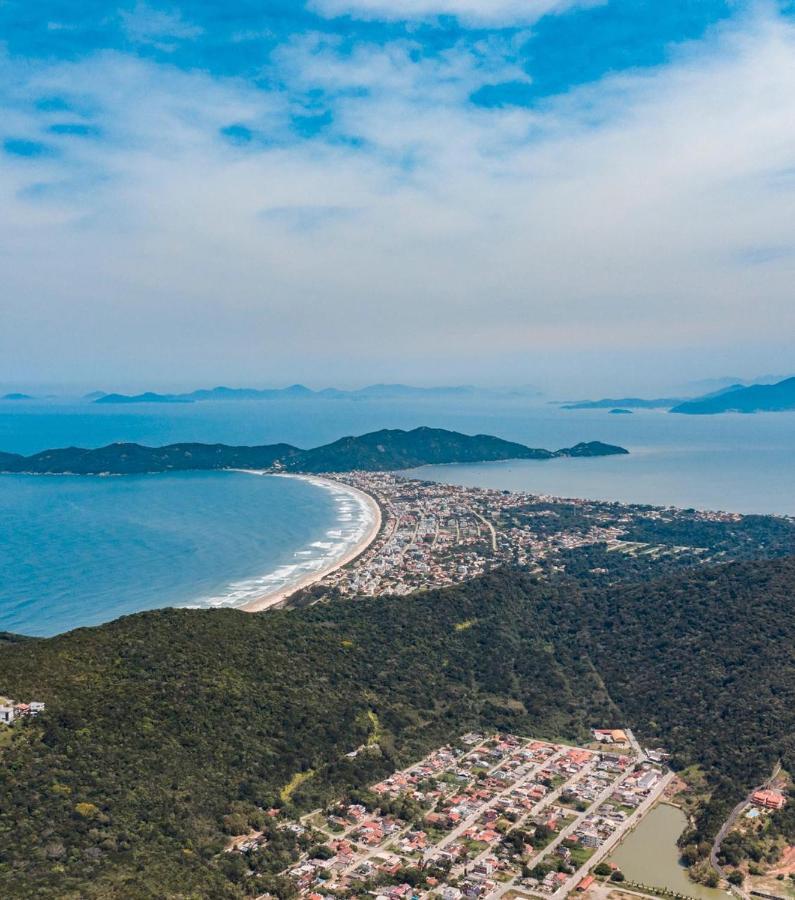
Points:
[(372, 527)]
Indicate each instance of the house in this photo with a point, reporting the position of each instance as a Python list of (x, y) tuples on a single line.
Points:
[(610, 736), (578, 757), (7, 712), (586, 883), (648, 780), (589, 838), (768, 798)]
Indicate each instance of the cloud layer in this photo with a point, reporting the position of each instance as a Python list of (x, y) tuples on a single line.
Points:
[(476, 12), (354, 209)]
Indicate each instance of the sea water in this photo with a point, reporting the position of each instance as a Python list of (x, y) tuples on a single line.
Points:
[(83, 550), (77, 551)]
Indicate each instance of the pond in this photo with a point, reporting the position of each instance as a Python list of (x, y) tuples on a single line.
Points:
[(650, 855)]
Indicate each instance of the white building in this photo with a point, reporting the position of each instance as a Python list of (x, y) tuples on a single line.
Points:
[(6, 711)]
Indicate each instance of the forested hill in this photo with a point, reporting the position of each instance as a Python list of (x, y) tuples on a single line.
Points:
[(165, 727), (387, 449), (777, 397)]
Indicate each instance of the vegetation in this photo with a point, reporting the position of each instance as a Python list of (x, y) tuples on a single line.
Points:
[(385, 449), (167, 731), (756, 398)]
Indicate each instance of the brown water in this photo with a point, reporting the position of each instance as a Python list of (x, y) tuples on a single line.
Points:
[(650, 856)]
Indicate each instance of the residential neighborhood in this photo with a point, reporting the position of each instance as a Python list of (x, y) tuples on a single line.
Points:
[(436, 534), (488, 816)]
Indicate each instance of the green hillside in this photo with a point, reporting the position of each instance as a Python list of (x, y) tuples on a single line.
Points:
[(778, 397), (379, 450), (166, 729)]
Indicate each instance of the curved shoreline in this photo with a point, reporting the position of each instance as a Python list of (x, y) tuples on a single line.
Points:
[(274, 598)]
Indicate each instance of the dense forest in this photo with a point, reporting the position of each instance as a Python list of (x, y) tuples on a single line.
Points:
[(166, 731), (378, 450)]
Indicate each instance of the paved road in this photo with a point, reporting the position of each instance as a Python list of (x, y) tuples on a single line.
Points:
[(602, 851), (491, 529), (616, 836), (543, 803), (470, 820), (636, 748), (729, 824), (566, 832)]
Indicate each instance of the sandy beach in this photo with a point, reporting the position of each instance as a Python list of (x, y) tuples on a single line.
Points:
[(275, 597)]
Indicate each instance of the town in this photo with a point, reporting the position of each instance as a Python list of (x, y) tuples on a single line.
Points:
[(436, 534), (480, 819)]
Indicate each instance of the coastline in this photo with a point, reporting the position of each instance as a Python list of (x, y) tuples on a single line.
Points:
[(274, 598)]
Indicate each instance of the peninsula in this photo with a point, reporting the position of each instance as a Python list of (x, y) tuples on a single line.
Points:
[(388, 449), (778, 397)]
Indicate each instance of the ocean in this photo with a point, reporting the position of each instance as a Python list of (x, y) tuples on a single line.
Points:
[(78, 551)]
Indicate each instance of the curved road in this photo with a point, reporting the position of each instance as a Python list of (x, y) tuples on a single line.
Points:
[(729, 824)]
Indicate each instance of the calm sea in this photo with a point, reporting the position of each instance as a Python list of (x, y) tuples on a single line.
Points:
[(80, 551), (77, 551)]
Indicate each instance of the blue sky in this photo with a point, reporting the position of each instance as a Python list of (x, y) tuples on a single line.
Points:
[(560, 191)]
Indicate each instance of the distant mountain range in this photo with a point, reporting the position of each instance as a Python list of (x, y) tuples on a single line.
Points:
[(778, 397), (294, 392), (379, 450), (624, 403), (752, 398)]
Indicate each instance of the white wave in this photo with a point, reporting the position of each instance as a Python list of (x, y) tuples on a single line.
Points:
[(354, 519)]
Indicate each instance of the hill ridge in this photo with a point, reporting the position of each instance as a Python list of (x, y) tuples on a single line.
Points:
[(386, 449)]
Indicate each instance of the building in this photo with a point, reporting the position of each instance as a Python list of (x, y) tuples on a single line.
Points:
[(610, 736), (769, 799), (589, 838), (585, 883), (7, 712)]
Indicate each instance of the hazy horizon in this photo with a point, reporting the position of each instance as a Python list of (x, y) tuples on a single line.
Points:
[(590, 196), (699, 386)]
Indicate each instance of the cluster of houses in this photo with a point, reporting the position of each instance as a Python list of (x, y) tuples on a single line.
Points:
[(11, 710), (439, 534), (491, 808)]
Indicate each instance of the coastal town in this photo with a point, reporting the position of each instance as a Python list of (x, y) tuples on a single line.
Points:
[(434, 534), (487, 817)]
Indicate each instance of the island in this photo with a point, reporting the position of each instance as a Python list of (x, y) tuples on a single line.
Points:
[(293, 392), (778, 397), (388, 449), (623, 403), (620, 411)]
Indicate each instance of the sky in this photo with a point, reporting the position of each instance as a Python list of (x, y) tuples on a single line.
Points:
[(587, 195)]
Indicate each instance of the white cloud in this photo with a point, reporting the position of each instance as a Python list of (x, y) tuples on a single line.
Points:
[(475, 12), (145, 25), (419, 229)]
